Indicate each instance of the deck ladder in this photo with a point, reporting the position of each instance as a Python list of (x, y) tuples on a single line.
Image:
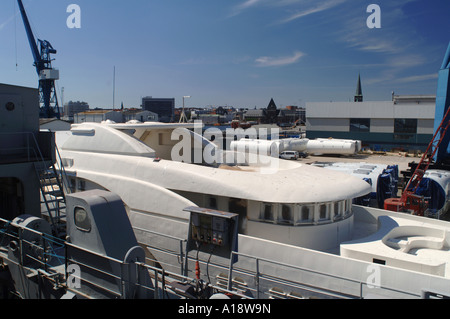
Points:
[(53, 197)]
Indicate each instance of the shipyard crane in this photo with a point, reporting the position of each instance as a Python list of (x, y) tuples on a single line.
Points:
[(442, 105), (47, 74), (437, 153)]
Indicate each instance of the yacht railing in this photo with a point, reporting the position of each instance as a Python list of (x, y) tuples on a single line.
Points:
[(268, 285), (49, 251), (46, 254), (253, 282), (179, 254), (62, 172), (38, 148)]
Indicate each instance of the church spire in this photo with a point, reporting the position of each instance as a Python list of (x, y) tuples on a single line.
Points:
[(359, 95)]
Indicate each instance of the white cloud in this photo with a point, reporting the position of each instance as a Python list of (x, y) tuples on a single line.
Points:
[(319, 8), (396, 65), (2, 25), (248, 3), (311, 6), (243, 6), (405, 61), (266, 61), (418, 78)]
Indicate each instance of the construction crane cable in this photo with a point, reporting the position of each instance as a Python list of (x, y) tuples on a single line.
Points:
[(15, 32)]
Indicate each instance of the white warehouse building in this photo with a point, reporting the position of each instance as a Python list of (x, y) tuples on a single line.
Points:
[(406, 122)]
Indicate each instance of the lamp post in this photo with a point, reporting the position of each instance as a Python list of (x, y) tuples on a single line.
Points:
[(183, 118)]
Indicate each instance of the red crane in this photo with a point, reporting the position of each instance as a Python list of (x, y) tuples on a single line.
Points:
[(410, 201)]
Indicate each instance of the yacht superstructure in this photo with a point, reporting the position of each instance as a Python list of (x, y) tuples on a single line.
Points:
[(297, 215), (294, 195)]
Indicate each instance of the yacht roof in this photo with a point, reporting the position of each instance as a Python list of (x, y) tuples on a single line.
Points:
[(110, 151)]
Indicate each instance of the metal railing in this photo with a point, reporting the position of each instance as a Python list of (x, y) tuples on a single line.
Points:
[(261, 284), (37, 148), (179, 254), (112, 280), (299, 286), (62, 172)]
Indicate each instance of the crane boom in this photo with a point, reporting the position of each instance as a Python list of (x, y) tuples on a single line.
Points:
[(442, 105), (30, 35), (43, 64)]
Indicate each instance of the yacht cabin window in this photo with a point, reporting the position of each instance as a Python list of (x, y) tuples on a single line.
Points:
[(286, 215), (268, 212), (347, 207), (212, 202), (306, 214), (81, 185), (337, 210), (72, 185), (322, 212)]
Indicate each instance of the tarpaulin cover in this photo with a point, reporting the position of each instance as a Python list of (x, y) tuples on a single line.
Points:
[(364, 200), (433, 192), (384, 188)]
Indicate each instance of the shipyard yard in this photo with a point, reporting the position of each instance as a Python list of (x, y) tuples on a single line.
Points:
[(402, 159)]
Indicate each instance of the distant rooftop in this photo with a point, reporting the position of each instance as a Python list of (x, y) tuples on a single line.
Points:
[(417, 98), (96, 112)]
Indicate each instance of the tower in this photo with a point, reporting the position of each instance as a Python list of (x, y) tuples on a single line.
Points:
[(272, 112), (358, 95)]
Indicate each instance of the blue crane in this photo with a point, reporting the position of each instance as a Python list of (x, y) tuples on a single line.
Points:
[(47, 75), (441, 115)]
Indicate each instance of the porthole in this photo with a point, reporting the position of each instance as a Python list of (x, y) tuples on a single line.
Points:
[(82, 221), (10, 106)]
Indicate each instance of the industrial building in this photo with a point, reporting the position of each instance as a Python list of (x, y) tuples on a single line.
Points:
[(164, 107), (98, 116), (54, 125), (405, 123), (274, 115), (139, 115), (71, 108)]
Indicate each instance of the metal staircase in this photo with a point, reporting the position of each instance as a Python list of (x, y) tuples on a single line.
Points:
[(53, 200)]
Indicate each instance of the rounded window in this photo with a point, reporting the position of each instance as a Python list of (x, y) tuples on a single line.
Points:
[(305, 213), (10, 106), (323, 211), (286, 214), (82, 221)]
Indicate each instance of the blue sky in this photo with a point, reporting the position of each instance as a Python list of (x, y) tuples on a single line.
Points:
[(238, 53)]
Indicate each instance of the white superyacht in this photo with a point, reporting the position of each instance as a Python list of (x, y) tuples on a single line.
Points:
[(298, 235)]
